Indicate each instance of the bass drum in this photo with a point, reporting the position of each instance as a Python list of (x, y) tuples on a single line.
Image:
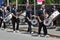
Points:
[(7, 18), (22, 16), (24, 13), (53, 16)]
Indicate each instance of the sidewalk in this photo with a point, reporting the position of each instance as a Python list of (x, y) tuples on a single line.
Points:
[(53, 32), (9, 35)]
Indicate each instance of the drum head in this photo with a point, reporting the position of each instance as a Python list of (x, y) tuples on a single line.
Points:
[(47, 22), (34, 22)]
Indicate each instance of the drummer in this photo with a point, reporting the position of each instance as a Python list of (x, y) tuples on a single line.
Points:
[(10, 7), (15, 19), (52, 10), (41, 17), (29, 13), (3, 16)]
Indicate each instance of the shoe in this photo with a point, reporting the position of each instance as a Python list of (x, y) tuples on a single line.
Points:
[(13, 31), (47, 36), (27, 31), (5, 29), (2, 28), (17, 31), (32, 32)]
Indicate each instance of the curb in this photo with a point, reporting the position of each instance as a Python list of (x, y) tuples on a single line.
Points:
[(54, 35)]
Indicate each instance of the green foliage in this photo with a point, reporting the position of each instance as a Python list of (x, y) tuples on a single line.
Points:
[(20, 1), (48, 1), (32, 1), (52, 1)]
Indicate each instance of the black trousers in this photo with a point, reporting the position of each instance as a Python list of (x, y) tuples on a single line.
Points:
[(0, 22), (44, 28), (14, 20), (4, 25), (29, 27), (54, 22)]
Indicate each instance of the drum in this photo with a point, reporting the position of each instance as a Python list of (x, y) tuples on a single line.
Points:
[(24, 13), (6, 19), (54, 15), (48, 21), (22, 16), (34, 22)]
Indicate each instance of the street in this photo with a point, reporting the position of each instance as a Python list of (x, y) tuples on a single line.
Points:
[(9, 35)]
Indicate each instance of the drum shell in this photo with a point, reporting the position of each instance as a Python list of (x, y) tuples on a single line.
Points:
[(21, 17), (6, 19)]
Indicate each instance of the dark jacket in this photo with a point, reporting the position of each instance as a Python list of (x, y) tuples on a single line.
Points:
[(52, 10), (28, 12), (9, 9), (14, 12), (1, 13), (40, 14)]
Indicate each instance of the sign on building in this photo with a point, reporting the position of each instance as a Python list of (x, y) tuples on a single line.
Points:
[(39, 2)]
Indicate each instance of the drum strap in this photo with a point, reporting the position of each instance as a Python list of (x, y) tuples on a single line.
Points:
[(30, 15), (10, 9), (3, 13), (16, 11)]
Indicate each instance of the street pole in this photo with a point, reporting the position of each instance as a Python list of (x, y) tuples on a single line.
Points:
[(16, 4), (34, 7), (7, 2), (27, 2)]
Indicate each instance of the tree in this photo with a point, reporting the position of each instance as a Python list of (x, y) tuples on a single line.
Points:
[(32, 1), (52, 1)]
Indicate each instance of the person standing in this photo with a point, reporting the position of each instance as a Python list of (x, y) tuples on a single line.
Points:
[(41, 17), (29, 13), (10, 7), (52, 10), (15, 19), (3, 16)]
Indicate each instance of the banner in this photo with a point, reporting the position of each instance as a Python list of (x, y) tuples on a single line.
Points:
[(39, 2), (1, 2)]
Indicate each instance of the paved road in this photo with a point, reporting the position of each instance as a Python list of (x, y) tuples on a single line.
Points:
[(9, 35)]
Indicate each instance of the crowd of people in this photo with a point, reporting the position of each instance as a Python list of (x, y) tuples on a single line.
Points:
[(29, 14), (3, 12)]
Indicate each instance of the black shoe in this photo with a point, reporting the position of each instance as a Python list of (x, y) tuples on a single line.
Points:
[(27, 30)]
